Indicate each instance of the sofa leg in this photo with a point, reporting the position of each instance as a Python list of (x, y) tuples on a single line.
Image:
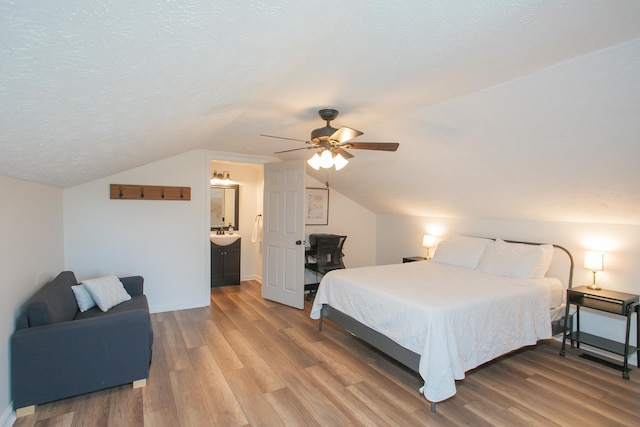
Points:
[(140, 383), (27, 410)]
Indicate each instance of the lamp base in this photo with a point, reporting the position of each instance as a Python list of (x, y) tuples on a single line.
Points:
[(594, 287)]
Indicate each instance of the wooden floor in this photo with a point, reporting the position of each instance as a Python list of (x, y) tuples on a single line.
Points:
[(248, 361)]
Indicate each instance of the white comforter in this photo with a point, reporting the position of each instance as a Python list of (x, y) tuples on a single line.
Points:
[(455, 318)]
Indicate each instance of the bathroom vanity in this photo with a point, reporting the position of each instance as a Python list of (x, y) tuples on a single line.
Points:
[(225, 259)]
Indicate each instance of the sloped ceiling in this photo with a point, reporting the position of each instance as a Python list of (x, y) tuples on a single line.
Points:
[(522, 109)]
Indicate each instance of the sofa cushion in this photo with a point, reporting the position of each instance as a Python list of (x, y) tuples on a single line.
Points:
[(134, 285), (137, 302), (54, 302)]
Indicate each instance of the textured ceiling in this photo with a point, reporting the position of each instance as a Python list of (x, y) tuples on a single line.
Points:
[(503, 109)]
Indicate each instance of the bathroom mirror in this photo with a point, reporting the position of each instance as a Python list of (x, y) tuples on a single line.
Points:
[(224, 206)]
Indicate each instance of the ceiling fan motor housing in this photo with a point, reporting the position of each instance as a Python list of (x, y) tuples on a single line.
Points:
[(322, 134)]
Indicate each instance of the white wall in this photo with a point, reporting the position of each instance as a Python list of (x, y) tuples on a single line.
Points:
[(352, 220), (164, 241), (31, 252), (167, 242), (621, 243)]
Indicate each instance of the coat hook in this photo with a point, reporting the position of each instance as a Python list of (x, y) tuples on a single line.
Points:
[(162, 192), (181, 195), (142, 192), (120, 193)]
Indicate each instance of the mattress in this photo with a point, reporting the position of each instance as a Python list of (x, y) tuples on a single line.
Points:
[(453, 317)]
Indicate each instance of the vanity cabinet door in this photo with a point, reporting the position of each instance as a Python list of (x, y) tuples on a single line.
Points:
[(225, 264), (232, 265), (217, 264)]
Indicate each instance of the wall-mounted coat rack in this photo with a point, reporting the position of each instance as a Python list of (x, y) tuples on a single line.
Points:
[(149, 192)]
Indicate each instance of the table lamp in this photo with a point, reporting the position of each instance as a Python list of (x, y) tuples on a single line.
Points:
[(428, 241), (594, 261)]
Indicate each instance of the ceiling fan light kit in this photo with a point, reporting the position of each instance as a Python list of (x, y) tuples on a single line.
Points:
[(327, 159), (333, 142)]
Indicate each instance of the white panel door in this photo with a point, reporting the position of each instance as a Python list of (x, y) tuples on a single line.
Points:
[(283, 233)]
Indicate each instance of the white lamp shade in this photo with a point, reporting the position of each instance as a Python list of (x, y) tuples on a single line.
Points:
[(326, 159), (594, 261), (428, 241), (339, 162), (314, 162)]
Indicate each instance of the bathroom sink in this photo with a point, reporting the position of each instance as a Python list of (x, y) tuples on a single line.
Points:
[(223, 239)]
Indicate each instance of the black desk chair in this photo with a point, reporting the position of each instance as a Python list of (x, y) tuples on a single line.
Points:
[(323, 256)]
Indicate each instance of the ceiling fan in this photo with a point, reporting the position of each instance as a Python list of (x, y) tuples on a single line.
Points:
[(332, 143)]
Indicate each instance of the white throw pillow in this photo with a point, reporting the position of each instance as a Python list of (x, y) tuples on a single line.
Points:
[(106, 291), (461, 251), (83, 297), (515, 259)]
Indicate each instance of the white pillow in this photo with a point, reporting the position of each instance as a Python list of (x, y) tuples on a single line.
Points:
[(83, 297), (461, 251), (106, 291), (515, 259), (543, 265)]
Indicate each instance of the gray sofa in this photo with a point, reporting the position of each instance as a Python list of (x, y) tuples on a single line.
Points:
[(58, 351)]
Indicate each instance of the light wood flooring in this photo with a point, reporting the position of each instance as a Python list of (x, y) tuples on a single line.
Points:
[(248, 361)]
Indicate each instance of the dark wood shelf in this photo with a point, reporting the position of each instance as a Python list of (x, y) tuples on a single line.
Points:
[(606, 344)]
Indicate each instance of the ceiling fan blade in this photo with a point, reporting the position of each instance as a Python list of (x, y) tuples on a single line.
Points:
[(344, 134), (343, 153), (381, 146), (282, 137), (295, 149)]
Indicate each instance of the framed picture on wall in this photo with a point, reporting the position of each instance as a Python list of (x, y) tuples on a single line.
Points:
[(317, 205)]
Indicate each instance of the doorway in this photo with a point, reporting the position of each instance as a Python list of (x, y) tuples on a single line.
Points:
[(249, 177)]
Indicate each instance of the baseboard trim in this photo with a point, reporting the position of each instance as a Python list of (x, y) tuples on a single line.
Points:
[(165, 308), (8, 417)]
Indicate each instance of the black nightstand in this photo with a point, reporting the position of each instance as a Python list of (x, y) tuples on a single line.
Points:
[(413, 258), (614, 302)]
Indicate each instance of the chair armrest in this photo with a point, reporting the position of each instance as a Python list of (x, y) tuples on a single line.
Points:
[(134, 285)]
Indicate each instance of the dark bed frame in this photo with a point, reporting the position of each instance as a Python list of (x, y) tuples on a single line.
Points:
[(408, 357)]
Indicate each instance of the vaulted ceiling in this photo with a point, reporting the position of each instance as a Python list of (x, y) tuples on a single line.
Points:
[(524, 109)]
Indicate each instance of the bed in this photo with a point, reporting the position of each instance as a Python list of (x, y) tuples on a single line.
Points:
[(477, 299)]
